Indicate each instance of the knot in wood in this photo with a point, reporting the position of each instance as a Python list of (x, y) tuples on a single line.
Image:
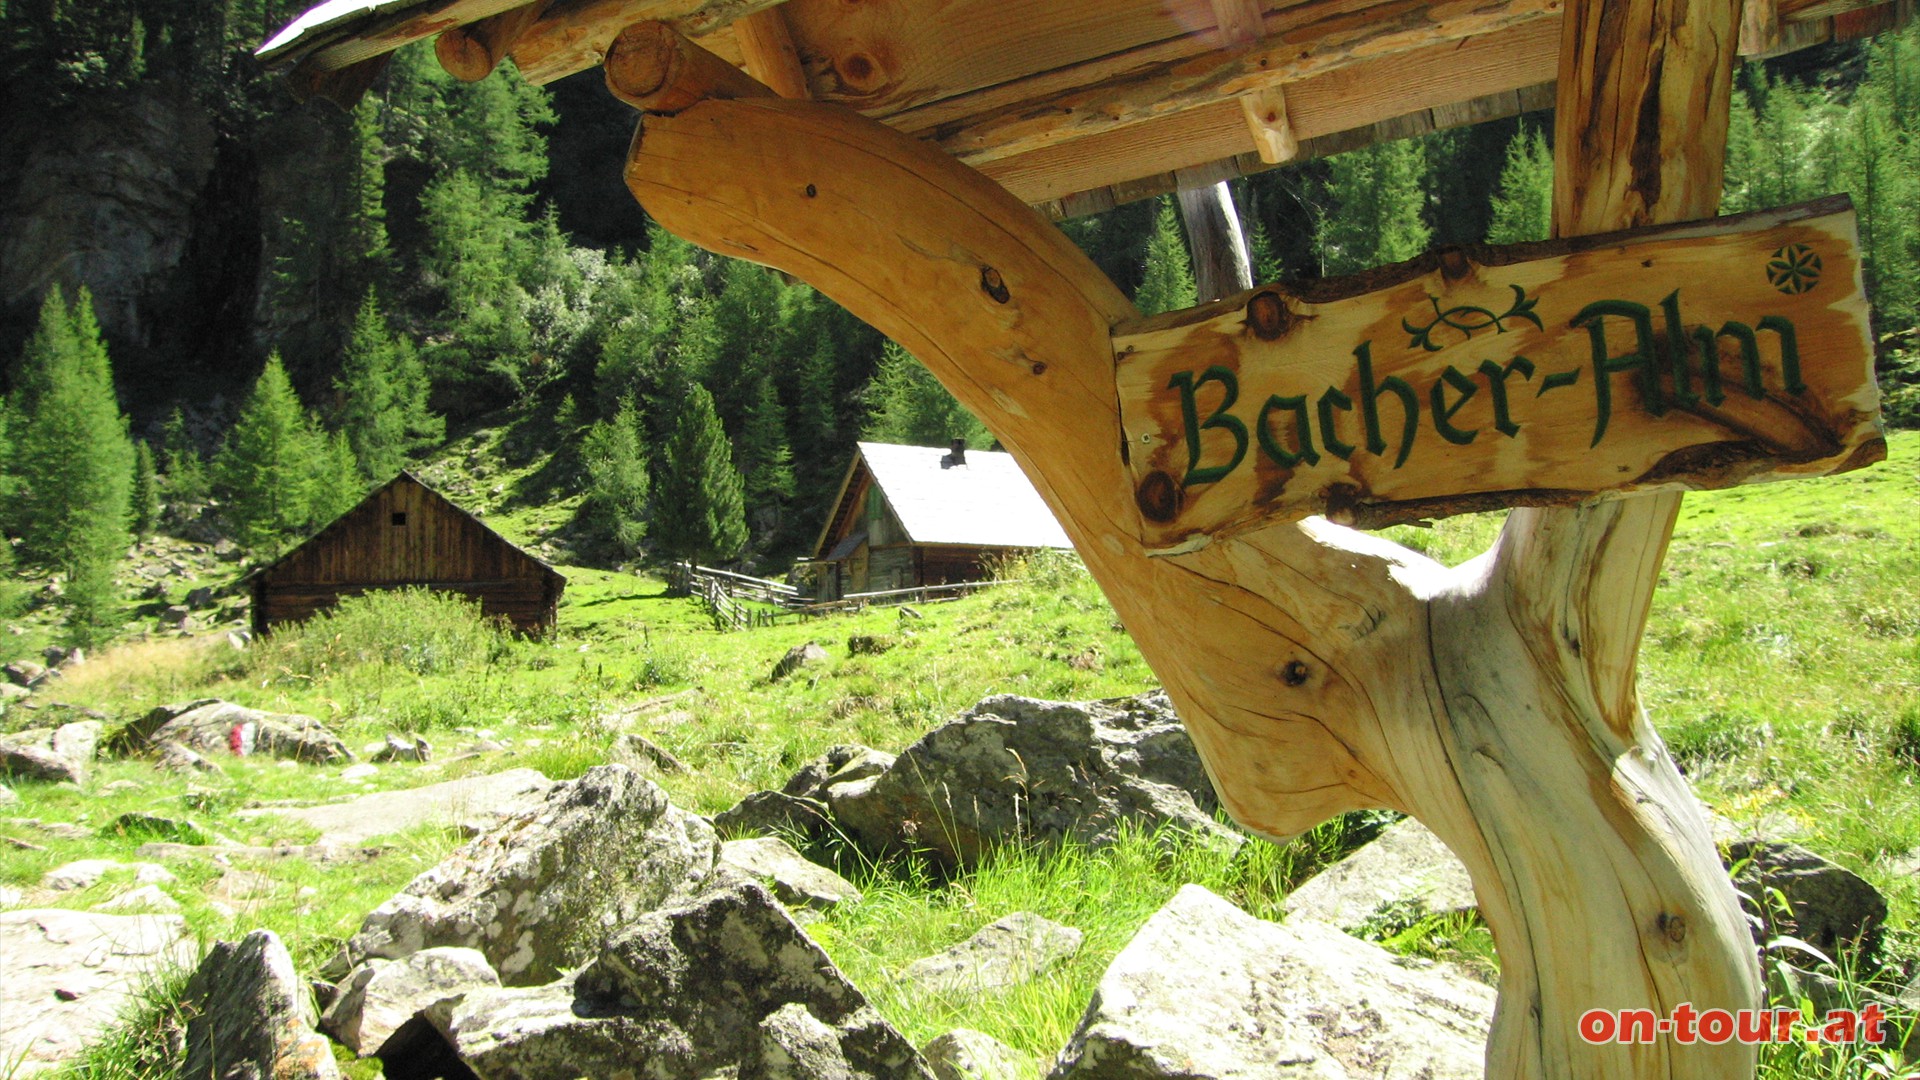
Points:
[(1295, 673), (812, 191), (1673, 926), (1453, 264), (1158, 497), (992, 285), (1267, 316)]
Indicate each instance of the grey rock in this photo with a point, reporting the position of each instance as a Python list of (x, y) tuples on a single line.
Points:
[(1004, 954), (381, 997), (722, 984), (57, 754), (541, 892), (767, 812), (1405, 873), (1013, 768), (144, 898), (172, 757), (200, 599), (24, 672), (10, 692), (797, 657), (159, 828), (841, 764), (177, 615), (11, 897), (1207, 992), (636, 749), (66, 975), (211, 726), (8, 796), (473, 804), (966, 1054), (251, 1017), (404, 748), (869, 644), (794, 880), (1833, 907), (86, 873)]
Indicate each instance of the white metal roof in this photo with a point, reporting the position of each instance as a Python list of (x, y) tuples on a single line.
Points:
[(987, 502)]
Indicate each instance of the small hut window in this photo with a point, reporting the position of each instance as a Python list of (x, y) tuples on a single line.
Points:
[(399, 517)]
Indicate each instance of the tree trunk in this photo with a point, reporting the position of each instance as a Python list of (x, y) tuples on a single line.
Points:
[(1320, 669)]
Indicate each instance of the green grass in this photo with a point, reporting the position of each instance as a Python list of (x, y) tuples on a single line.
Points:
[(1782, 665)]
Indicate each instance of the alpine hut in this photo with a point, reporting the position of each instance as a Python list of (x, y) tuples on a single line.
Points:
[(407, 534), (909, 516)]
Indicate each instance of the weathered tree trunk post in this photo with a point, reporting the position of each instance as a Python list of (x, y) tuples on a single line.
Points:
[(1317, 668)]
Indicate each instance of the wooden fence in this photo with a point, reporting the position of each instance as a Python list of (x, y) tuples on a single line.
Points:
[(722, 593)]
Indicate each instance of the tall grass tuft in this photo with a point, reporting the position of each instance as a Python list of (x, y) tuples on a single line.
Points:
[(416, 631)]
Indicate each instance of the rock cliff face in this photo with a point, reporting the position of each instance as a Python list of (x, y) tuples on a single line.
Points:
[(160, 206)]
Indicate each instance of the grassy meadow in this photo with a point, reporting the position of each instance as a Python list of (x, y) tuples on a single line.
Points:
[(1782, 666)]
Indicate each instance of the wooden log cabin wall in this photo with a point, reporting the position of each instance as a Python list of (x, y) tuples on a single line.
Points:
[(406, 534), (893, 153)]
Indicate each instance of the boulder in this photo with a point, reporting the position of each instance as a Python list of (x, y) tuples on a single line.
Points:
[(172, 757), (211, 726), (797, 657), (10, 692), (767, 812), (1013, 768), (23, 672), (794, 880), (1004, 954), (86, 873), (1405, 874), (404, 748), (381, 997), (841, 764), (539, 893), (66, 975), (966, 1054), (473, 804), (57, 754), (1833, 907), (1205, 991), (251, 1018), (199, 599), (724, 983)]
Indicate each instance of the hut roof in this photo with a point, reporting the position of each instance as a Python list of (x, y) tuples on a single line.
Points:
[(986, 501), (333, 528), (1074, 105)]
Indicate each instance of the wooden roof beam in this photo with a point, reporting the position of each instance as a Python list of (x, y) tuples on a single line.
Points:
[(1266, 109), (471, 52), (654, 69)]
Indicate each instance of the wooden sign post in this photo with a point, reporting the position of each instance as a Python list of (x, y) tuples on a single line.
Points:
[(1693, 356)]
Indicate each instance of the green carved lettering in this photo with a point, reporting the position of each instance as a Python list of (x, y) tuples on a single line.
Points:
[(1302, 429), (1789, 352), (1370, 406), (1743, 335), (1678, 351), (1642, 361), (1443, 413), (1189, 389), (1333, 399), (1497, 382)]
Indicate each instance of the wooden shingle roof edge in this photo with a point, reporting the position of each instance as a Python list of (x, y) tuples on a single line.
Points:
[(327, 530), (1074, 107)]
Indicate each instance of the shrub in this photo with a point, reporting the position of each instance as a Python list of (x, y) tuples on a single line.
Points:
[(414, 630)]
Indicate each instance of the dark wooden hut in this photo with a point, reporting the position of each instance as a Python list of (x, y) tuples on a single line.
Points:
[(909, 516), (407, 534)]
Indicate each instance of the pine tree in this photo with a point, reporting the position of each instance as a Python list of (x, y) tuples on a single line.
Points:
[(615, 461), (766, 459), (383, 397), (1523, 209), (1167, 283), (366, 252), (699, 509), (73, 462), (265, 470), (906, 404), (186, 474), (1378, 199), (146, 491)]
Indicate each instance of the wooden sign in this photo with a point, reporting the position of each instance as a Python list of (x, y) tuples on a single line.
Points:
[(1700, 355)]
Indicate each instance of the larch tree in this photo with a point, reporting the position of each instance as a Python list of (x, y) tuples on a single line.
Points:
[(1523, 207), (613, 455), (699, 506), (383, 390), (265, 470), (72, 462), (906, 404), (1377, 215), (1167, 281), (146, 491)]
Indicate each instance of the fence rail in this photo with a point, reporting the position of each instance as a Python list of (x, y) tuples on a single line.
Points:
[(721, 592)]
